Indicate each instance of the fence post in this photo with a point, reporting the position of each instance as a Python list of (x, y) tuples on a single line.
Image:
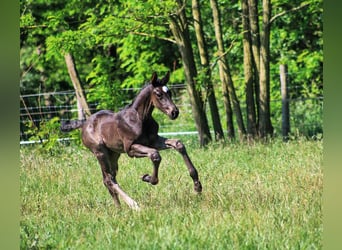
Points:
[(284, 102)]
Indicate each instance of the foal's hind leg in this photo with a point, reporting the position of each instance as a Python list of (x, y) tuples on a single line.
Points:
[(113, 162), (109, 166)]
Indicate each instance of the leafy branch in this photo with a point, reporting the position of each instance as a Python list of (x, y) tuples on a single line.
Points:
[(303, 5)]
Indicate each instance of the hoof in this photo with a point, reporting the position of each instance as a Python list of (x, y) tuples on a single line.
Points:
[(149, 179), (134, 206), (146, 178), (198, 187)]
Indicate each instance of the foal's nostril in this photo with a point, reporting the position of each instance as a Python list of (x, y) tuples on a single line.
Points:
[(174, 113)]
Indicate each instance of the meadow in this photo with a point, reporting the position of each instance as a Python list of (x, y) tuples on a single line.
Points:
[(255, 196)]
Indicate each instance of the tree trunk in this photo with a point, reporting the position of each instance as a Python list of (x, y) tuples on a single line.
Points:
[(179, 29), (255, 38), (82, 105), (248, 72), (254, 30), (202, 47), (285, 107), (265, 126), (225, 76)]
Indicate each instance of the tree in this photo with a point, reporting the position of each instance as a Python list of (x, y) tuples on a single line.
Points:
[(227, 82), (265, 125), (254, 36), (180, 31), (206, 78), (248, 72)]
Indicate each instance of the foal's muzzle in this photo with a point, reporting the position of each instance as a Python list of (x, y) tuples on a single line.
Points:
[(174, 114)]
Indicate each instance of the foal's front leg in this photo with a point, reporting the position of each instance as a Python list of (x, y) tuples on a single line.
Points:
[(138, 150), (164, 143)]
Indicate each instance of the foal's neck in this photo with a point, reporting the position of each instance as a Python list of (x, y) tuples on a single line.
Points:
[(143, 103)]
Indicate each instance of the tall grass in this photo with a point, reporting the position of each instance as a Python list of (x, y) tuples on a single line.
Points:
[(260, 196)]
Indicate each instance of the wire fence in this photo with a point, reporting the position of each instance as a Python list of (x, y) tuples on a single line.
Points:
[(306, 113)]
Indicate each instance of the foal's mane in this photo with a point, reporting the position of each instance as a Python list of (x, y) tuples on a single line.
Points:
[(142, 92)]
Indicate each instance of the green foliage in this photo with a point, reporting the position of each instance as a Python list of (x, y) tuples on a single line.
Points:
[(307, 118), (104, 86), (299, 46), (47, 133), (26, 20), (118, 44), (257, 196), (139, 60), (74, 42)]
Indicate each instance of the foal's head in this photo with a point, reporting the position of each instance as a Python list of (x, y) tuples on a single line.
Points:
[(161, 96)]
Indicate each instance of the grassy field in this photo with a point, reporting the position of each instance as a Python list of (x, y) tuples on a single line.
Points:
[(260, 196)]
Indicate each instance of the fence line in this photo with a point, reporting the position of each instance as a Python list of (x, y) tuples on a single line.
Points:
[(44, 112), (69, 139)]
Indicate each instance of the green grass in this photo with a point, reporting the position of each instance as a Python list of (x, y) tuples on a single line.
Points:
[(260, 196)]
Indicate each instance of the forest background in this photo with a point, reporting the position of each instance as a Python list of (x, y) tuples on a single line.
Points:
[(227, 53)]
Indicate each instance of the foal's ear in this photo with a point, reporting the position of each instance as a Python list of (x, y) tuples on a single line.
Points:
[(166, 78), (154, 78)]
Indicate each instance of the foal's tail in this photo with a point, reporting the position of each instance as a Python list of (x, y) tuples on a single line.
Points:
[(71, 125)]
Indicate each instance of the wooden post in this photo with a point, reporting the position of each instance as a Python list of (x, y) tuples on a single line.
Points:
[(82, 105), (285, 102)]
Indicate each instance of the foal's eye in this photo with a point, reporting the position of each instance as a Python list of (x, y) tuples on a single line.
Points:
[(159, 95)]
